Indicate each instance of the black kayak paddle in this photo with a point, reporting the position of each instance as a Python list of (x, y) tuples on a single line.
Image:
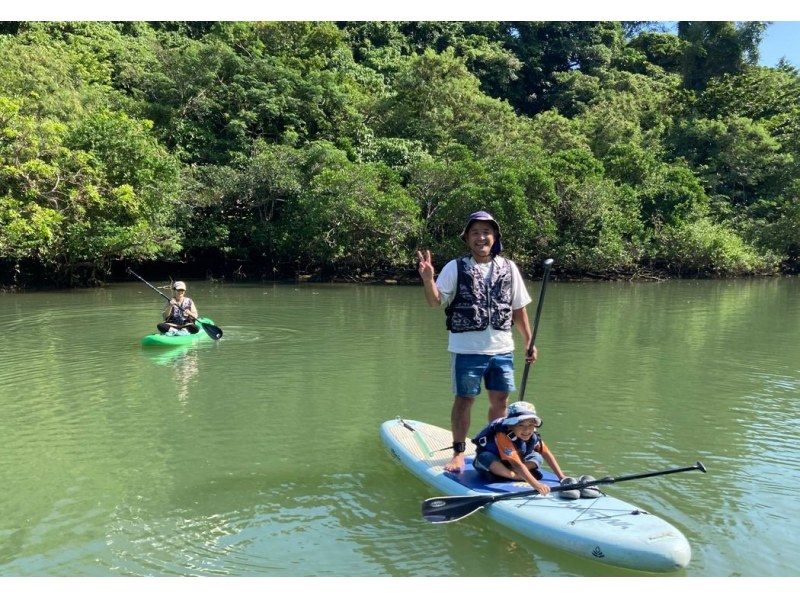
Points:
[(214, 332), (445, 509), (548, 263)]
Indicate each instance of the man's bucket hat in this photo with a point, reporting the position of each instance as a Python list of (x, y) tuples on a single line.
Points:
[(482, 216)]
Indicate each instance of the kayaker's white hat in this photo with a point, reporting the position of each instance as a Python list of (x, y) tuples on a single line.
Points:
[(520, 411), (178, 285)]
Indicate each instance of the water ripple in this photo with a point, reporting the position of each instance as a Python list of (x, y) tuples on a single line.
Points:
[(259, 455)]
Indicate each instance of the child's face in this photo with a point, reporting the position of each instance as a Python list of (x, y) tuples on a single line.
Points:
[(524, 429)]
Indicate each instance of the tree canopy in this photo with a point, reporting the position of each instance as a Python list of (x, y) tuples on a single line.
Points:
[(338, 149)]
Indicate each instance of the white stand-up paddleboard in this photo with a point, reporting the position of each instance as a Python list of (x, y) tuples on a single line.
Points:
[(604, 529)]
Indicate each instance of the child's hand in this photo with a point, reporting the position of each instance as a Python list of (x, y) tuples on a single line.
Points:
[(543, 489)]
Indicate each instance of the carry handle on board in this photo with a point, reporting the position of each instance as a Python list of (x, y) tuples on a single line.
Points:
[(214, 332)]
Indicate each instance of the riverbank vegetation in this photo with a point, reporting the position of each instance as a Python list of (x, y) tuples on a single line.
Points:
[(278, 149)]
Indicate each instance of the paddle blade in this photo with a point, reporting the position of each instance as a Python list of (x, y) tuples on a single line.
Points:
[(214, 332), (444, 509)]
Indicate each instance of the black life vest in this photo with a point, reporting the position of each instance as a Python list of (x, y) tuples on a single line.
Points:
[(485, 440), (478, 303)]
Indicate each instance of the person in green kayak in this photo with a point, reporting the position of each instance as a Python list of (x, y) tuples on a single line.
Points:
[(483, 294), (180, 313)]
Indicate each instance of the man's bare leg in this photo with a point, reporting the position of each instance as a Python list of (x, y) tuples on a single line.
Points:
[(459, 424), (498, 400)]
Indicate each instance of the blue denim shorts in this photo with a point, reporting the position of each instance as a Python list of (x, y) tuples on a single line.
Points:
[(467, 371)]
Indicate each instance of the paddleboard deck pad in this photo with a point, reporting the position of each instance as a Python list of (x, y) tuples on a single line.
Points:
[(604, 529)]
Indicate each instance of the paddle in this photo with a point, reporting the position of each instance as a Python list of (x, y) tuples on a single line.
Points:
[(444, 509), (214, 332), (548, 263)]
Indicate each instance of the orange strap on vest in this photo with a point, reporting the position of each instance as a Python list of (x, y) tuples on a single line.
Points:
[(507, 449)]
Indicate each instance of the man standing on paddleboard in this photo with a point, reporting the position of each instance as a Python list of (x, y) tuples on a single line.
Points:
[(483, 294)]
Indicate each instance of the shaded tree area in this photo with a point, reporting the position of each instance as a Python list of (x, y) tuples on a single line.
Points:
[(275, 149)]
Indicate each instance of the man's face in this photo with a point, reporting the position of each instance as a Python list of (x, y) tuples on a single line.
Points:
[(480, 238)]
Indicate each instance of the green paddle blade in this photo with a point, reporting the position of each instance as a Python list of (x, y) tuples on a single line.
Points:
[(444, 509)]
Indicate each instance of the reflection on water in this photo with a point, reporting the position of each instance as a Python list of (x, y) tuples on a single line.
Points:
[(166, 356), (260, 455), (183, 362)]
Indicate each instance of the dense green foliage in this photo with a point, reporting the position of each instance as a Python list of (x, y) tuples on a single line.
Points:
[(284, 148)]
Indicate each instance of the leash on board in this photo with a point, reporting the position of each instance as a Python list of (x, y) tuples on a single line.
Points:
[(420, 440)]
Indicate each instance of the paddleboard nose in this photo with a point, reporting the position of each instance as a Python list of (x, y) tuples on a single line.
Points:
[(671, 552)]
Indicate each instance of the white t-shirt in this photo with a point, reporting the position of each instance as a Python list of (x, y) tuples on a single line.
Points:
[(488, 341)]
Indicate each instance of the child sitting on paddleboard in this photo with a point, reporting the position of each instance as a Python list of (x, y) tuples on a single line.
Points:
[(511, 447)]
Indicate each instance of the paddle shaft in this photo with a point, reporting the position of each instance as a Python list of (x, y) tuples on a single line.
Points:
[(548, 263), (154, 288), (605, 480), (446, 509)]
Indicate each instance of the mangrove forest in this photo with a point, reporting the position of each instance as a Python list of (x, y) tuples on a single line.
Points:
[(335, 150)]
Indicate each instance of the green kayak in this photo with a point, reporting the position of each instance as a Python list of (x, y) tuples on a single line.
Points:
[(168, 340)]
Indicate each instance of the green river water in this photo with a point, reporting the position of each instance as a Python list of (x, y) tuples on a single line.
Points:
[(260, 455)]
